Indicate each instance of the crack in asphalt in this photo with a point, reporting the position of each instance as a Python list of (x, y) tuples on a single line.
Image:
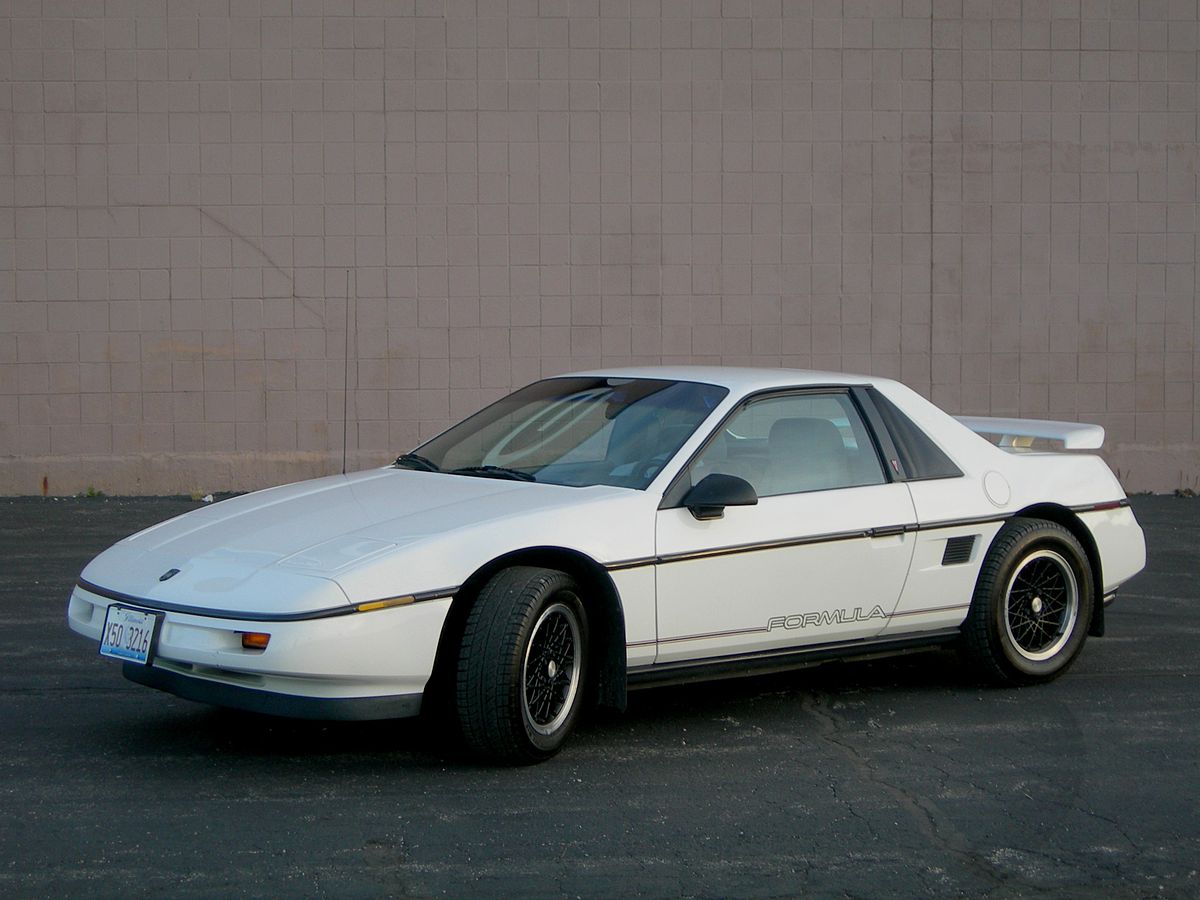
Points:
[(922, 812)]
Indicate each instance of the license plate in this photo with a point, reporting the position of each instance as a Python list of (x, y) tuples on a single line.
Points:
[(129, 634)]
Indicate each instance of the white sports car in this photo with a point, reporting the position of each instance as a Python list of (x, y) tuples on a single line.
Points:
[(601, 530)]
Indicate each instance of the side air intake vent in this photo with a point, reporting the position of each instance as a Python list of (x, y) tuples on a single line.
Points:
[(958, 550)]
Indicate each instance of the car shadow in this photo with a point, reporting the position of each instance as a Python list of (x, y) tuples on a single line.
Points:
[(188, 730), (926, 670), (192, 730)]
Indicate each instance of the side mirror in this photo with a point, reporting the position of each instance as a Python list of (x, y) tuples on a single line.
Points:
[(708, 499)]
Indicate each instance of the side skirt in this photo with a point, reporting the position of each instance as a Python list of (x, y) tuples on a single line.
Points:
[(720, 667)]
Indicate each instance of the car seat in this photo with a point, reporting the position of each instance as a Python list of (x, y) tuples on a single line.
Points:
[(804, 454)]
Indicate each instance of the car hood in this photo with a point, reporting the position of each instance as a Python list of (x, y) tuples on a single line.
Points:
[(287, 548)]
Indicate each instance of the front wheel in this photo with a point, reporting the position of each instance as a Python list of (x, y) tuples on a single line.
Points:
[(1032, 605), (521, 665)]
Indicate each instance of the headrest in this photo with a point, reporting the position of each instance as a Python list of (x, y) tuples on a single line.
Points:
[(806, 436)]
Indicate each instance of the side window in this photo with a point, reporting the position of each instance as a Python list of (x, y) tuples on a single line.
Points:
[(794, 443), (922, 458)]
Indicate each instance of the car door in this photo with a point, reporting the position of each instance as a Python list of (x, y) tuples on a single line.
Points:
[(821, 558)]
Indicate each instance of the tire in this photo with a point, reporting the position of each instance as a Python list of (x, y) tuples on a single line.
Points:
[(522, 665), (1032, 605)]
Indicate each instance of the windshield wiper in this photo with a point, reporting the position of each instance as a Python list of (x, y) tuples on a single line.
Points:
[(415, 461), (494, 472)]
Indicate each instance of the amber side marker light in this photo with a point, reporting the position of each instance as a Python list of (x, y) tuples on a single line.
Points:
[(384, 604), (255, 640)]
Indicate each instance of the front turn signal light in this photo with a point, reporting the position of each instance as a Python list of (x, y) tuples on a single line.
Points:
[(255, 640)]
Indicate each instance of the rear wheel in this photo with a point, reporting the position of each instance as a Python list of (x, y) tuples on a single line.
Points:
[(521, 665), (1032, 606)]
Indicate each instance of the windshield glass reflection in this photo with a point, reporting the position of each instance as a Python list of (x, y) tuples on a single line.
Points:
[(575, 431)]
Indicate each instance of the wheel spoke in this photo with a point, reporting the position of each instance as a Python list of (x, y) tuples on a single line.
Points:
[(1042, 603), (550, 668)]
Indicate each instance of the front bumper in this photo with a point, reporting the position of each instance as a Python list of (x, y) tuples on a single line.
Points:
[(293, 706), (365, 665)]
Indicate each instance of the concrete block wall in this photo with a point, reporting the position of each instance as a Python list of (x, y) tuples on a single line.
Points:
[(992, 200)]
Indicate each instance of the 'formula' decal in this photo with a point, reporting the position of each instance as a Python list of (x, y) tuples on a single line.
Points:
[(826, 617)]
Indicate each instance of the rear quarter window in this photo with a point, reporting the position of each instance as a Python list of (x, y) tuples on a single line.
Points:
[(921, 458)]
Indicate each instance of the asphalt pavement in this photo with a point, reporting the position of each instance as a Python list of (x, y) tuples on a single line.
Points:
[(894, 777)]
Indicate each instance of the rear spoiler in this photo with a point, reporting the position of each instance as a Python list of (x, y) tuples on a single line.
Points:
[(1021, 432)]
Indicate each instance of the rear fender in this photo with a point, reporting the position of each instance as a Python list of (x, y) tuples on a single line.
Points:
[(1067, 519)]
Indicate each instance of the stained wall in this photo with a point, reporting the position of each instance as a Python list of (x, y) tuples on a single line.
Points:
[(992, 200)]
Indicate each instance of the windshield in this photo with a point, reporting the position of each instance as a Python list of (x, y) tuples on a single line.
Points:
[(574, 431)]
